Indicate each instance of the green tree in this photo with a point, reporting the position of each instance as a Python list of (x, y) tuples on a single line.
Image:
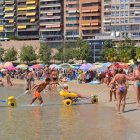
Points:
[(85, 51), (45, 53), (10, 55), (1, 53), (28, 54), (111, 55), (137, 53), (65, 53), (108, 44), (124, 55), (127, 43)]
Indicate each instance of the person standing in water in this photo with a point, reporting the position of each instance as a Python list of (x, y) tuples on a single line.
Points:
[(29, 79), (8, 78), (39, 88), (136, 75), (122, 84)]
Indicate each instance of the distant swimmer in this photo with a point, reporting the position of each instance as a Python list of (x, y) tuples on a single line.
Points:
[(39, 88)]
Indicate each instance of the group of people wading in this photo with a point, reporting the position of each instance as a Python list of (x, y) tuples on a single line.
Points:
[(116, 79), (119, 86)]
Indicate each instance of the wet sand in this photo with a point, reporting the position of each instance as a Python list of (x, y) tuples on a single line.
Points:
[(82, 121)]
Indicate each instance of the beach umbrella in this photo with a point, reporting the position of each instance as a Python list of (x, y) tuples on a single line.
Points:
[(96, 66), (3, 70), (55, 66), (37, 66), (7, 64), (22, 66), (11, 68), (108, 64), (66, 66), (76, 66), (1, 66), (85, 67)]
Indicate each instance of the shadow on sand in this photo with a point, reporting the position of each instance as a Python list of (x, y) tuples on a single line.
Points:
[(131, 110)]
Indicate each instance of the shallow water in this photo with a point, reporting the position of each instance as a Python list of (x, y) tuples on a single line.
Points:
[(53, 121)]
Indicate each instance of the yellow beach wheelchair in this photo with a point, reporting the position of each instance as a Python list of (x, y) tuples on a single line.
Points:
[(70, 97)]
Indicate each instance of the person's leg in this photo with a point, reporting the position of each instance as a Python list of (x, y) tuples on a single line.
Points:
[(118, 101), (136, 88), (139, 95), (123, 100), (115, 95), (110, 96), (40, 99), (33, 100)]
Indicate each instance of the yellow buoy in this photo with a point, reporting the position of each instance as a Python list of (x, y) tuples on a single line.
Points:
[(67, 102), (11, 101), (94, 100)]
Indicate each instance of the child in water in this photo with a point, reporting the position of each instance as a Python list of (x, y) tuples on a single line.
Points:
[(67, 93), (113, 91), (39, 88)]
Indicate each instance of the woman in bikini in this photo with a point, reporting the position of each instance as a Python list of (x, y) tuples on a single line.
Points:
[(122, 84), (136, 75)]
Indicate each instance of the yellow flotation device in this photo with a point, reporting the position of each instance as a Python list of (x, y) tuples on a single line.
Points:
[(67, 102), (68, 94), (11, 101), (94, 100)]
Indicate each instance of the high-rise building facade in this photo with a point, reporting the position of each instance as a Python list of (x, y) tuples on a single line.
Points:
[(125, 18), (71, 19), (51, 20), (121, 18), (7, 18), (106, 17), (82, 18), (27, 19), (90, 18)]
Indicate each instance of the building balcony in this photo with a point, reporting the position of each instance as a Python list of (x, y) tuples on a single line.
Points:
[(50, 11), (29, 29), (52, 35), (28, 37), (50, 5), (50, 17), (90, 28), (49, 23), (48, 0), (90, 8), (50, 29)]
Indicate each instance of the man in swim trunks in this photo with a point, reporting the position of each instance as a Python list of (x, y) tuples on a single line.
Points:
[(29, 78), (136, 75), (122, 84), (39, 89)]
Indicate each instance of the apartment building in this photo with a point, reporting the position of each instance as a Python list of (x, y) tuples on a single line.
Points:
[(27, 19), (71, 19), (125, 18), (106, 17), (7, 18), (82, 18), (51, 20), (90, 18)]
